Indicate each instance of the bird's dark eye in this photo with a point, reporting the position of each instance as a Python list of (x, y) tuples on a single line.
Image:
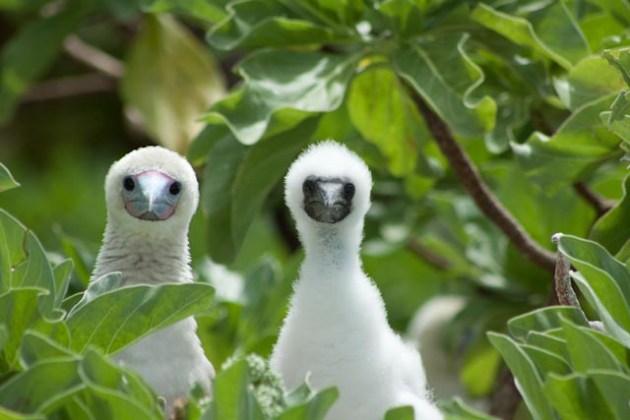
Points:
[(175, 188), (348, 190), (128, 183), (309, 187)]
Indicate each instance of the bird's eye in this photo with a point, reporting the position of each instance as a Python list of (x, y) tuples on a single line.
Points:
[(175, 188), (128, 183), (348, 190), (309, 187)]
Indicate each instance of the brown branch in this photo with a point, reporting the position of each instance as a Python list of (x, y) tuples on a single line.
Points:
[(93, 57), (600, 205), (470, 179), (562, 280), (506, 398), (428, 255), (69, 86)]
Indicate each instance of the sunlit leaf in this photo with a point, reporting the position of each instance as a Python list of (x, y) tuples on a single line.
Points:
[(281, 89), (552, 31), (447, 78), (257, 23), (7, 181), (211, 11), (117, 318), (170, 80)]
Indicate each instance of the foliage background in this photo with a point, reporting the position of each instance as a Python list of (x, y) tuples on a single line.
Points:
[(527, 91)]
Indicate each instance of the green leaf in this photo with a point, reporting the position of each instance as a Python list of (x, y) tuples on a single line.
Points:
[(201, 146), (211, 11), (281, 89), (20, 66), (612, 229), (555, 345), (552, 32), (615, 389), (576, 397), (314, 406), (608, 278), (117, 318), (588, 351), (444, 75), (122, 395), (233, 398), (62, 273), (7, 181), (37, 347), (382, 112), (19, 311), (400, 413), (222, 166), (4, 336), (23, 262), (263, 166), (544, 319), (44, 381), (170, 80), (527, 378), (456, 409), (545, 361), (579, 87), (579, 146), (256, 23)]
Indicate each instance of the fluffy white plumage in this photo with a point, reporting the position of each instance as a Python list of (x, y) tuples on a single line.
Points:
[(153, 251), (337, 328)]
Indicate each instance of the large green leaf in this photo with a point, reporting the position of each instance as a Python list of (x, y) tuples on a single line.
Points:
[(445, 76), (456, 409), (544, 319), (170, 80), (579, 87), (579, 146), (549, 342), (306, 404), (19, 311), (607, 276), (36, 347), (23, 261), (551, 30), (576, 397), (615, 389), (588, 351), (233, 399), (528, 381), (114, 319), (545, 361), (7, 181), (32, 50), (281, 89), (257, 23), (612, 230), (263, 166)]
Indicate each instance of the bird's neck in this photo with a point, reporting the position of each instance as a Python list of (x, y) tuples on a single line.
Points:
[(144, 257), (331, 251)]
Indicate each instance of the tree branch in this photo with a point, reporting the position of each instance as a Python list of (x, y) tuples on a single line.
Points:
[(93, 57), (470, 179), (69, 86), (600, 205)]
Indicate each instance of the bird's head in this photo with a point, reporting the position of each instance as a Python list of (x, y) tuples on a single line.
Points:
[(328, 185), (151, 188)]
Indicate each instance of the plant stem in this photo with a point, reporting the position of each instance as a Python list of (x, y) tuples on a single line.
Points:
[(468, 175), (600, 205), (93, 57), (69, 86)]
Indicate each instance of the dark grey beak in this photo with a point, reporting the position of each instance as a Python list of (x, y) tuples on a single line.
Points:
[(327, 200)]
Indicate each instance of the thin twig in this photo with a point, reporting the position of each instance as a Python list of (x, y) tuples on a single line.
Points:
[(428, 255), (600, 205), (93, 57), (562, 279), (506, 398), (69, 86), (470, 179)]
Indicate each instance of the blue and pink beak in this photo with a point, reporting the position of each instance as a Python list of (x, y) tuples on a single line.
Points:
[(151, 195)]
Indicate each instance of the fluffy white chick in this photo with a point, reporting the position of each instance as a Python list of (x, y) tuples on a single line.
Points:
[(152, 194), (336, 328)]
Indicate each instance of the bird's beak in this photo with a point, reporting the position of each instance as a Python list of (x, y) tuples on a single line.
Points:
[(151, 197), (326, 200)]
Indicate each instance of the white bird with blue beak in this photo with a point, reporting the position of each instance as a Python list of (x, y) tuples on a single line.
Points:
[(336, 331), (152, 194)]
